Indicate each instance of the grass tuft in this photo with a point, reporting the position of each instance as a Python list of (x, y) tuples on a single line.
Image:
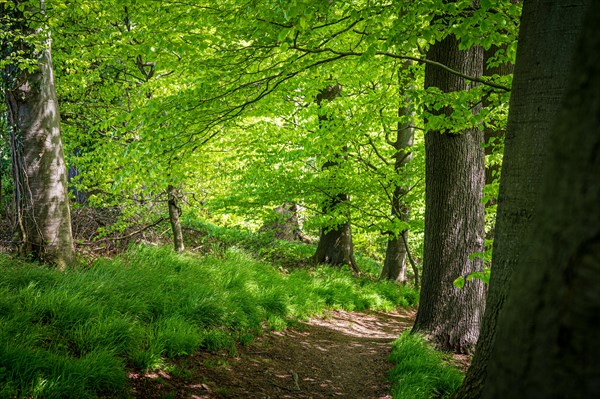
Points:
[(421, 372)]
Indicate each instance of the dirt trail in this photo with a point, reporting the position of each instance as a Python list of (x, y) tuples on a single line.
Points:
[(341, 356)]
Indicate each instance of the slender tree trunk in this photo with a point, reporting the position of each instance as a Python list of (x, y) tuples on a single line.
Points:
[(335, 242), (534, 104), (394, 266), (174, 213), (454, 214), (38, 167), (547, 341)]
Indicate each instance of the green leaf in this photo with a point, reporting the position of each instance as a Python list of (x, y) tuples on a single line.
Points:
[(283, 34), (459, 282)]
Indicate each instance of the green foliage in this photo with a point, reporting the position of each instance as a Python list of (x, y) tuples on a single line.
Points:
[(72, 334), (135, 85), (419, 371)]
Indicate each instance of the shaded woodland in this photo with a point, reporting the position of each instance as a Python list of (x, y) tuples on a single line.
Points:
[(179, 179)]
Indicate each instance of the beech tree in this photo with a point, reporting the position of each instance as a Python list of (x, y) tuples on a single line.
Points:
[(40, 200), (454, 214), (535, 101), (394, 265), (546, 344), (335, 242)]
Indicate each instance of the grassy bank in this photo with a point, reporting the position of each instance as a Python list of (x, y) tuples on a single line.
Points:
[(76, 334)]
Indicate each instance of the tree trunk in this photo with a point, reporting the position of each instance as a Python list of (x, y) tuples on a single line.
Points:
[(335, 245), (335, 242), (454, 214), (394, 267), (285, 225), (534, 104), (38, 167), (547, 342), (174, 213)]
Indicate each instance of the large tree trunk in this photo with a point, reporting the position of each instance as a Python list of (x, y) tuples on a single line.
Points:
[(454, 214), (335, 245), (394, 266), (534, 104), (547, 342), (38, 167), (335, 242)]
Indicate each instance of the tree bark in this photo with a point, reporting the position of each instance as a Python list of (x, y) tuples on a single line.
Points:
[(335, 242), (285, 225), (534, 104), (38, 167), (454, 214), (394, 266), (547, 342), (174, 214)]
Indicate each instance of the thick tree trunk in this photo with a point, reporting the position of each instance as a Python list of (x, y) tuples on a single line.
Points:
[(547, 342), (174, 214), (335, 242), (335, 245), (394, 266), (534, 104), (454, 214), (38, 167)]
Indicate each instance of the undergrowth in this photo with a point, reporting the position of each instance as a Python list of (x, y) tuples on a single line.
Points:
[(75, 334), (421, 372), (213, 239)]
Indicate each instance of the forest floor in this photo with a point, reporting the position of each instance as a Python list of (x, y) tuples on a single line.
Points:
[(342, 355)]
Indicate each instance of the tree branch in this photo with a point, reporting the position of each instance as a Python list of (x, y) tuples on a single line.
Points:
[(405, 57), (410, 258)]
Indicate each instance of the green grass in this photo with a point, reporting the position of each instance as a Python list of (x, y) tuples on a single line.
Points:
[(216, 240), (75, 334), (421, 372)]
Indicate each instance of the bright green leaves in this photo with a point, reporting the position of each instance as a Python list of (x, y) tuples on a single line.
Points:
[(22, 39), (229, 111), (453, 112), (484, 276)]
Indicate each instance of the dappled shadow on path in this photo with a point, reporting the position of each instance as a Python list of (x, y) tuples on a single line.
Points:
[(343, 355)]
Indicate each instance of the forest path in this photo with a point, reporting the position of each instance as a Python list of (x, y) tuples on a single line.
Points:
[(343, 355)]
